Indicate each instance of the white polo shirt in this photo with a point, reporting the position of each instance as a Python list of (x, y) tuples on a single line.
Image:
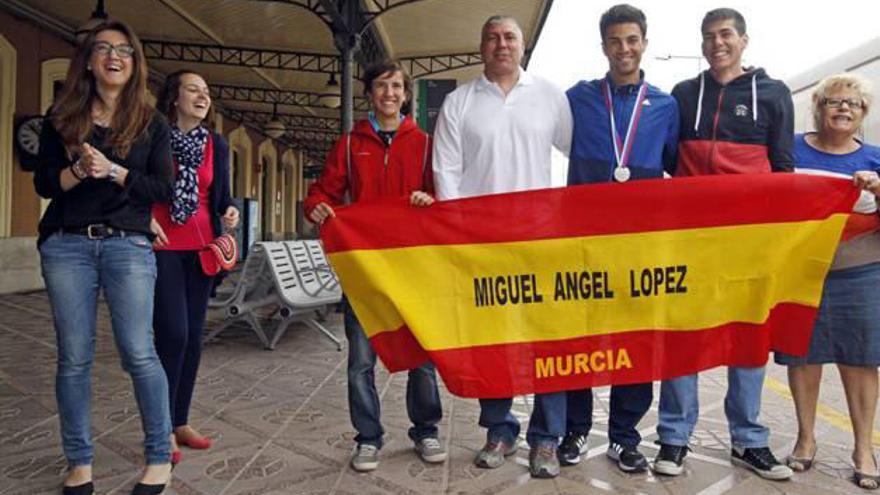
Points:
[(487, 143)]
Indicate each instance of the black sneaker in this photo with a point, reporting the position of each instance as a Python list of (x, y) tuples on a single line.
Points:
[(628, 458), (670, 459), (571, 448), (761, 461)]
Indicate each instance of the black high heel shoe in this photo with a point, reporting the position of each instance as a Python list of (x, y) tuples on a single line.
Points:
[(866, 481), (144, 489), (84, 489)]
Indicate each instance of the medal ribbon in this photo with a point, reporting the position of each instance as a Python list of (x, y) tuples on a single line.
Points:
[(623, 150)]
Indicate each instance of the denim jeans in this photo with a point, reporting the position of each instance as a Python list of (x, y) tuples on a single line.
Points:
[(422, 397), (75, 268), (547, 424), (496, 417), (680, 408), (628, 405)]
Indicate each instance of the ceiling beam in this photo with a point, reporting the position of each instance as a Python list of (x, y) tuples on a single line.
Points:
[(241, 57), (315, 142), (418, 66), (206, 30), (371, 9), (229, 92), (314, 137), (257, 127), (313, 6), (290, 121)]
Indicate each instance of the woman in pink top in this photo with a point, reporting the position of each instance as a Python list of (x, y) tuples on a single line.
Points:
[(200, 204)]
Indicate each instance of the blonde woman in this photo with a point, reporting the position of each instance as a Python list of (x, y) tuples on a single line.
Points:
[(847, 330)]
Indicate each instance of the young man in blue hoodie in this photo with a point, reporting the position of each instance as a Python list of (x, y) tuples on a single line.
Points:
[(624, 129)]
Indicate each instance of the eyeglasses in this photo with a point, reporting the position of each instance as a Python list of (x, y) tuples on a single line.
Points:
[(838, 102), (124, 50)]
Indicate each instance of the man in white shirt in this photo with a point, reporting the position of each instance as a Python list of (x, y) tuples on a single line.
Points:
[(495, 134)]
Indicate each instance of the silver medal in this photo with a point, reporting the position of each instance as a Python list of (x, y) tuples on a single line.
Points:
[(621, 174)]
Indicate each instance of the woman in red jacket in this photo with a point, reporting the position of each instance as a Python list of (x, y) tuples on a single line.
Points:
[(385, 155)]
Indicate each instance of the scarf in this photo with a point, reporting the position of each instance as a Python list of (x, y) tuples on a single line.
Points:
[(188, 151)]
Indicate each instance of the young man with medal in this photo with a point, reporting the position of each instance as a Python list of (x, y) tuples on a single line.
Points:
[(624, 129), (734, 120)]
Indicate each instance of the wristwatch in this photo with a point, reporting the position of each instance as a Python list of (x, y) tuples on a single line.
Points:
[(114, 171)]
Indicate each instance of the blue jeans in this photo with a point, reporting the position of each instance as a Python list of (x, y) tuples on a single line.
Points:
[(628, 405), (422, 397), (547, 424), (75, 268), (680, 408), (495, 415)]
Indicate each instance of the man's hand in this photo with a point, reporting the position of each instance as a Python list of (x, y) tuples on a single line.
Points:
[(321, 213), (420, 198)]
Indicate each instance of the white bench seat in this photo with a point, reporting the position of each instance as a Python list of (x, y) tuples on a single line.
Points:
[(293, 279)]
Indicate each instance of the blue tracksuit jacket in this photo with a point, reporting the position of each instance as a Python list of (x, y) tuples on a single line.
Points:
[(592, 152)]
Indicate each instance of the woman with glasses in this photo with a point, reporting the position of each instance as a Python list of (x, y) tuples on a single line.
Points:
[(847, 329), (105, 158), (199, 209)]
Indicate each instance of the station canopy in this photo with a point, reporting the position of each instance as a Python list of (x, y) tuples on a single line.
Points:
[(280, 58)]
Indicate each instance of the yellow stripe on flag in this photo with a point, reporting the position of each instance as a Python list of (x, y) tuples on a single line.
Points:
[(440, 286)]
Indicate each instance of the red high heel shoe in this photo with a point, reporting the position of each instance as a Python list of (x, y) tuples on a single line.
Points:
[(176, 457), (194, 443)]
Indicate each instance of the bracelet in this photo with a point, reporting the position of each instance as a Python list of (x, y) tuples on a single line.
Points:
[(114, 171), (78, 172)]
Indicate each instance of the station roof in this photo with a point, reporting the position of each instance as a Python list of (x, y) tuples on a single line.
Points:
[(259, 54)]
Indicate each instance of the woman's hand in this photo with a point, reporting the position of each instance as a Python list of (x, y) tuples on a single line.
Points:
[(161, 239), (322, 212), (420, 198), (868, 181), (230, 218), (94, 162)]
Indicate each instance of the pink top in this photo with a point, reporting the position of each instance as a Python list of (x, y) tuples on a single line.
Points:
[(197, 232)]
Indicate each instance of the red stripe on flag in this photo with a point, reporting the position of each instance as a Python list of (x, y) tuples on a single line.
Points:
[(597, 209), (509, 369), (860, 224)]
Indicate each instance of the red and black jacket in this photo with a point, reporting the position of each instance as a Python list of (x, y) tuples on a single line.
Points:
[(721, 133), (378, 170)]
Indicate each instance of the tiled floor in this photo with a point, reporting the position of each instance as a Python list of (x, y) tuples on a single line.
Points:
[(280, 424)]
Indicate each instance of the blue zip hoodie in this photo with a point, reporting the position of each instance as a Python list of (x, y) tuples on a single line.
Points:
[(592, 152)]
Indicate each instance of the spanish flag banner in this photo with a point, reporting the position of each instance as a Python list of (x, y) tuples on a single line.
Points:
[(567, 288)]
